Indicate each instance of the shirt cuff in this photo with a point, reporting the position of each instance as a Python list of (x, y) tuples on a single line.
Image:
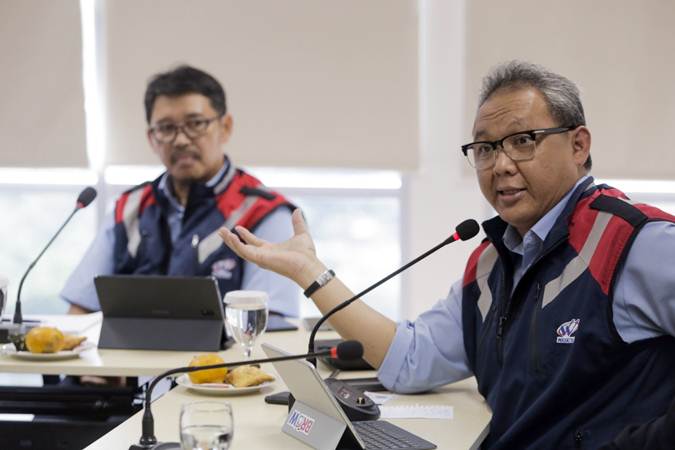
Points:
[(395, 358)]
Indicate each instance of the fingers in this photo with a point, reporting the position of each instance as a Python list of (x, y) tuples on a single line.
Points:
[(231, 240), (249, 237), (299, 224), (247, 249)]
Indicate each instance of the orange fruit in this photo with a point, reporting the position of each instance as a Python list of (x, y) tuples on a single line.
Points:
[(208, 375), (44, 340)]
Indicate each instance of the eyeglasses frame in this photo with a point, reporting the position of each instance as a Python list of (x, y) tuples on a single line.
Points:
[(180, 128), (499, 143)]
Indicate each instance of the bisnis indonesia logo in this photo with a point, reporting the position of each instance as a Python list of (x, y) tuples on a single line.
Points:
[(300, 422), (566, 330)]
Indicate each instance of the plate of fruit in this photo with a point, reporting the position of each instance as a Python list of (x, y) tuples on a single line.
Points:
[(223, 381), (47, 343)]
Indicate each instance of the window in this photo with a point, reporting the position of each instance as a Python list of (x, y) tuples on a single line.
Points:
[(32, 216)]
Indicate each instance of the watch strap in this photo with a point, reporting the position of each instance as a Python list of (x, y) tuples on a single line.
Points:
[(320, 282)]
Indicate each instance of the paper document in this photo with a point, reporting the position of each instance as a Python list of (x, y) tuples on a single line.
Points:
[(73, 324), (416, 412), (380, 398)]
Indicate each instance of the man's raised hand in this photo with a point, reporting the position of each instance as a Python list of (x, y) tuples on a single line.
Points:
[(294, 258)]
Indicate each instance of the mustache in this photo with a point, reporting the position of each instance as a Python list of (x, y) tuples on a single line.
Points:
[(178, 153)]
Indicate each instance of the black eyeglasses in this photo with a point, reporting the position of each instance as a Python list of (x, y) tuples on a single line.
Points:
[(518, 146), (193, 128)]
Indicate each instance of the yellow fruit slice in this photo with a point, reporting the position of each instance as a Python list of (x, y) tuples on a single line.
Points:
[(208, 375), (44, 340)]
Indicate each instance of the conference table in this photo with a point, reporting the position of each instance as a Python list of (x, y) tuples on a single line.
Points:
[(257, 424)]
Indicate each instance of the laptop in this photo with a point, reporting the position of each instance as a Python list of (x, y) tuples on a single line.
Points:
[(317, 420), (153, 312)]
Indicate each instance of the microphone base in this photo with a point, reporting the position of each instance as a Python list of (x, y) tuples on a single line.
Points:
[(10, 329), (158, 446)]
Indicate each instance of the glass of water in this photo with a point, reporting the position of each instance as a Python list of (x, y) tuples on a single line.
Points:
[(3, 294), (246, 317), (206, 425)]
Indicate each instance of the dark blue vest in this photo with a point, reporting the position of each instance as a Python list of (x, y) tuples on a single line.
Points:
[(547, 357), (143, 240)]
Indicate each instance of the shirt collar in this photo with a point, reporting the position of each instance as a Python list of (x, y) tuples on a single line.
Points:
[(514, 242), (167, 190)]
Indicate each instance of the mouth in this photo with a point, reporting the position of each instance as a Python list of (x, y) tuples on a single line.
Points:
[(510, 194), (184, 156)]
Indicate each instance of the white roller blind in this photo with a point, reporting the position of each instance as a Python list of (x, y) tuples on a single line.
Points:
[(42, 108), (309, 83), (620, 53)]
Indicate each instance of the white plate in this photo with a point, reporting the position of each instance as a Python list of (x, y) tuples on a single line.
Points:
[(218, 388), (58, 356)]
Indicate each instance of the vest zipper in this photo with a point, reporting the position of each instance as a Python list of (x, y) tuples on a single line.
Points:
[(578, 438), (534, 349), (501, 325), (502, 321)]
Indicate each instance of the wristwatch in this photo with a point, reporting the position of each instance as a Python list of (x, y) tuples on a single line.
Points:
[(320, 282)]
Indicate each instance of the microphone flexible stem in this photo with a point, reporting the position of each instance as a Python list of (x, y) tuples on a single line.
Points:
[(148, 426), (18, 317), (349, 301)]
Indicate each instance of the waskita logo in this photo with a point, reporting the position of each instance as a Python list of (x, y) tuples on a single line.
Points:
[(224, 268), (566, 330), (300, 422)]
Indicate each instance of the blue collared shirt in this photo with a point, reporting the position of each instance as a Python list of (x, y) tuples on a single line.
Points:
[(429, 352), (284, 294)]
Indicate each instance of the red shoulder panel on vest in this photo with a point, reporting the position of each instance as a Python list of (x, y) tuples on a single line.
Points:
[(614, 239), (581, 222), (618, 233), (621, 208), (242, 186), (146, 199), (472, 263), (119, 207)]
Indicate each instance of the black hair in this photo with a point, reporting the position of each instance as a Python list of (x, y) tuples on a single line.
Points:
[(184, 80), (561, 95)]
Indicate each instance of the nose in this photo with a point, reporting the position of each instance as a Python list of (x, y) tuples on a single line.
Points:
[(181, 137), (504, 164)]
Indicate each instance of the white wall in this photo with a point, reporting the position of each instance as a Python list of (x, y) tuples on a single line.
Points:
[(440, 194)]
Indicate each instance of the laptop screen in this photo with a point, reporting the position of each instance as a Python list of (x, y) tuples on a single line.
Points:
[(161, 297), (306, 385)]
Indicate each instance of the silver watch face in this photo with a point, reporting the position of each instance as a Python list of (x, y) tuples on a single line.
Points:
[(325, 278)]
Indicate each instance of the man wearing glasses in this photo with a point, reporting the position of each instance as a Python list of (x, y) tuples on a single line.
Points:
[(169, 226), (565, 313)]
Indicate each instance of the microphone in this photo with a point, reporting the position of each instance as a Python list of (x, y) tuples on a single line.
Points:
[(87, 195), (464, 231), (347, 350)]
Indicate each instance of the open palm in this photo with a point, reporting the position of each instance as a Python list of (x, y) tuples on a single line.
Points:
[(289, 258)]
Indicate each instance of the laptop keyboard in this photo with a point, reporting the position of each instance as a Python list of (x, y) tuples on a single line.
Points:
[(379, 434)]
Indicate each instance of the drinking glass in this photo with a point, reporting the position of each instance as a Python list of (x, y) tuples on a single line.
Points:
[(246, 317), (206, 425), (3, 294)]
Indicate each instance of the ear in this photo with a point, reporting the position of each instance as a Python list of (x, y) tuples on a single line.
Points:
[(153, 144), (226, 123), (581, 145)]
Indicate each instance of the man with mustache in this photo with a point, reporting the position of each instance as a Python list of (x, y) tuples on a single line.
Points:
[(169, 226), (566, 311)]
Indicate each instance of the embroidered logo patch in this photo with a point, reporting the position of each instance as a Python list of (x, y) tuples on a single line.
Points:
[(223, 268), (566, 330), (300, 422)]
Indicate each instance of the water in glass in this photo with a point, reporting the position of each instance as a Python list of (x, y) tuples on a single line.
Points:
[(206, 425), (247, 318), (205, 437)]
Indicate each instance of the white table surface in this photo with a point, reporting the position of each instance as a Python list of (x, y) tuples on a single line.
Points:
[(257, 424)]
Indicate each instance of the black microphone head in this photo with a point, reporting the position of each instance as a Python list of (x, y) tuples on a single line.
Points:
[(86, 197), (467, 229), (349, 350)]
